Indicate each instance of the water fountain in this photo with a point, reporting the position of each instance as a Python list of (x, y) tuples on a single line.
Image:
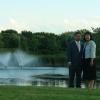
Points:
[(18, 59), (20, 68)]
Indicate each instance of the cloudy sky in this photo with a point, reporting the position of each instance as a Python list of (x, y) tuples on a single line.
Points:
[(49, 15)]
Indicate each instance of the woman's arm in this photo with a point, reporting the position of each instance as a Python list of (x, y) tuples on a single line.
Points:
[(93, 52)]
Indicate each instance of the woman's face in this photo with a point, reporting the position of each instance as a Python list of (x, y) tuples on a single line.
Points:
[(87, 37)]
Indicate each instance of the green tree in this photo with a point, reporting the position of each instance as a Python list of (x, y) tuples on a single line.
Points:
[(10, 38)]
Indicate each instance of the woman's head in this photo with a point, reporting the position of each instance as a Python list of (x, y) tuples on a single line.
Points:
[(87, 36)]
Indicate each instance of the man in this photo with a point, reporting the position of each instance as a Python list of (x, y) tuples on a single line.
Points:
[(75, 61)]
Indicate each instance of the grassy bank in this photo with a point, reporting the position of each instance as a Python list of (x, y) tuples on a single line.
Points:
[(47, 93), (50, 60), (59, 60)]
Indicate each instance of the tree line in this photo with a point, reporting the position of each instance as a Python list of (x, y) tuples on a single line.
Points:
[(41, 43)]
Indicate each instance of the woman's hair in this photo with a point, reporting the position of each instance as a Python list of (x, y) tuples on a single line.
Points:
[(88, 33)]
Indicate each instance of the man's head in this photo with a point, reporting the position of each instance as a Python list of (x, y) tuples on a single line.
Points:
[(77, 36)]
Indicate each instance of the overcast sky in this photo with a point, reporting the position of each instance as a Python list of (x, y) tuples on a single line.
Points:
[(49, 15)]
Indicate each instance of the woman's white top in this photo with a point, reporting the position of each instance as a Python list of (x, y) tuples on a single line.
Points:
[(90, 49)]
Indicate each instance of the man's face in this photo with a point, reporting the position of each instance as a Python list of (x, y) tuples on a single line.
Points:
[(77, 37)]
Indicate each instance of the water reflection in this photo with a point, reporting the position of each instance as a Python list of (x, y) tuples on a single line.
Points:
[(37, 76), (27, 76)]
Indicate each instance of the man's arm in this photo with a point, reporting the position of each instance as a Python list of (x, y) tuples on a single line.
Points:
[(69, 54)]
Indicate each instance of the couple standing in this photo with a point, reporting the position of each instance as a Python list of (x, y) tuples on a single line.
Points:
[(81, 60)]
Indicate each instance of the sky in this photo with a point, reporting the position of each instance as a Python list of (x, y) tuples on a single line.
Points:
[(49, 15)]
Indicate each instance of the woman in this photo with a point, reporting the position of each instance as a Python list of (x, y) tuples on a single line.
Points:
[(89, 69)]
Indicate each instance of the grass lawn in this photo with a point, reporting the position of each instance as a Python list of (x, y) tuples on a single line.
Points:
[(47, 93)]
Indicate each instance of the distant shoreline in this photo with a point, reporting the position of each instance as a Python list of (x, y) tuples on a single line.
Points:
[(49, 60)]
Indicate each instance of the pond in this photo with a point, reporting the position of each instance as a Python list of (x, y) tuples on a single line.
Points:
[(36, 76), (22, 69), (27, 76)]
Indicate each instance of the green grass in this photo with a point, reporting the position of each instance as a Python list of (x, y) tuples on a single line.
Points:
[(47, 93)]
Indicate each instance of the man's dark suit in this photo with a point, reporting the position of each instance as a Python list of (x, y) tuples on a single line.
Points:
[(75, 57)]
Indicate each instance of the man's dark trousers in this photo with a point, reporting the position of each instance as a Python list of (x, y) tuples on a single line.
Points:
[(75, 73)]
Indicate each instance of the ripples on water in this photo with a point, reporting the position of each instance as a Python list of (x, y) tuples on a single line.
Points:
[(26, 76)]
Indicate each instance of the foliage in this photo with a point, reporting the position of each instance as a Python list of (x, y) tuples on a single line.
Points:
[(42, 42)]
